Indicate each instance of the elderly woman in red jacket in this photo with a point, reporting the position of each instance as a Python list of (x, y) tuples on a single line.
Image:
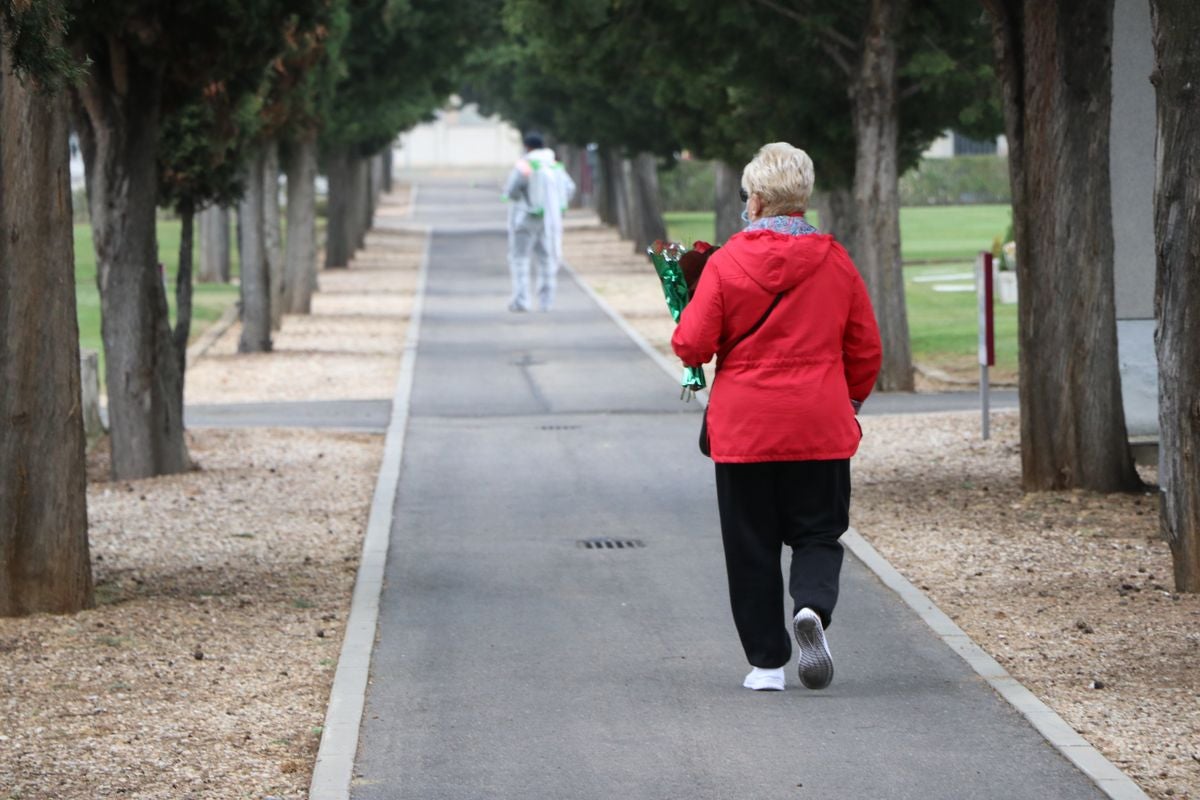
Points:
[(785, 312)]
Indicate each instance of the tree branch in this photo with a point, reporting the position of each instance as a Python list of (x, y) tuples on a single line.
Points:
[(831, 38), (912, 89)]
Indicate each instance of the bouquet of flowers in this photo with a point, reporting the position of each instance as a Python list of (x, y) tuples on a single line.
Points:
[(679, 271)]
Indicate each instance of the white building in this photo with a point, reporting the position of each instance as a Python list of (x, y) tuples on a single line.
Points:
[(459, 137), (951, 144)]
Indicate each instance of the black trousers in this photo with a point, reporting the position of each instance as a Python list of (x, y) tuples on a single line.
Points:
[(803, 504)]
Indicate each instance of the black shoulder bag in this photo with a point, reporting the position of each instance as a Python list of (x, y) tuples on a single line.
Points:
[(704, 447)]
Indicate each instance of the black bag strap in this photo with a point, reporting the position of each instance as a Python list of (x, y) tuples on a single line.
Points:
[(756, 325)]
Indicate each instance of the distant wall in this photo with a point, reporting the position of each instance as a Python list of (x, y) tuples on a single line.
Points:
[(459, 137), (1131, 151)]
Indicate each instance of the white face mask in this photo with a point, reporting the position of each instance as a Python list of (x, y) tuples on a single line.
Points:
[(746, 213)]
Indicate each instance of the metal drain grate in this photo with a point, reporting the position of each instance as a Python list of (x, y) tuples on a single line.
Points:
[(560, 427), (605, 543)]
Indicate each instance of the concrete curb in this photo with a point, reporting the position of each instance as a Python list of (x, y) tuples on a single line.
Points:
[(334, 768), (1111, 780), (212, 333), (1106, 775)]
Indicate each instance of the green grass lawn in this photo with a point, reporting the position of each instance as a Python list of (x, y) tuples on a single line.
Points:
[(209, 301), (688, 226), (937, 233), (942, 325), (950, 233)]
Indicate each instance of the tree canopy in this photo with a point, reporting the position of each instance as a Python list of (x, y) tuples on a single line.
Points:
[(399, 62), (33, 35), (657, 77)]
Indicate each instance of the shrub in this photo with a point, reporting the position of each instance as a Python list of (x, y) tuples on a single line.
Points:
[(962, 180), (687, 185)]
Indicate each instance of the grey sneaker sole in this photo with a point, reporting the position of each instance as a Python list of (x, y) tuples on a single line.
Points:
[(816, 664)]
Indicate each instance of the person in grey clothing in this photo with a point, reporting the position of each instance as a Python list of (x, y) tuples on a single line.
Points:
[(538, 189)]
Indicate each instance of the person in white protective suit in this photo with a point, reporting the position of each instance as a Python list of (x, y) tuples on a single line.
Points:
[(539, 190)]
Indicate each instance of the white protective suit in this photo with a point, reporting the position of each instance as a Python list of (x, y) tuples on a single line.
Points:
[(535, 229)]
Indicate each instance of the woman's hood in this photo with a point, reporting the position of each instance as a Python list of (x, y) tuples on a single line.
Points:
[(777, 261)]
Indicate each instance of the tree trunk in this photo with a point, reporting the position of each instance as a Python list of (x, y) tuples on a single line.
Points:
[(214, 245), (574, 159), (1177, 292), (301, 257), (388, 166), (44, 560), (838, 214), (621, 174), (255, 285), (376, 166), (272, 232), (338, 242), (727, 203), (183, 293), (647, 217), (876, 247), (360, 202), (1056, 69), (118, 134), (606, 193)]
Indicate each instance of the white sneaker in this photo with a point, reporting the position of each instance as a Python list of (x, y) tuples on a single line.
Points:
[(816, 664), (765, 680)]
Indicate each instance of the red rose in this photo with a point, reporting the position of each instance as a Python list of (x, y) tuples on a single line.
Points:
[(692, 263)]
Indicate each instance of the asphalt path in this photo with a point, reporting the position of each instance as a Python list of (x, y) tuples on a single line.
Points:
[(513, 660), (373, 415), (352, 415)]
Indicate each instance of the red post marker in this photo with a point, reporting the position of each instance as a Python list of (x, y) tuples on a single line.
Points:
[(987, 329), (987, 316)]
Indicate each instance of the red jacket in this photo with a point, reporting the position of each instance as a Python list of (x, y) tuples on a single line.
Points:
[(784, 393)]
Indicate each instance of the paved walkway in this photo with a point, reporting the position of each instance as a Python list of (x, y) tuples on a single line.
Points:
[(369, 416), (512, 661)]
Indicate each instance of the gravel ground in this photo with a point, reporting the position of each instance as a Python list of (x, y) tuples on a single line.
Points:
[(204, 670), (1070, 591), (348, 348)]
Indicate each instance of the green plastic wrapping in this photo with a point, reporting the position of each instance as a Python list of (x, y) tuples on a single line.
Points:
[(665, 257)]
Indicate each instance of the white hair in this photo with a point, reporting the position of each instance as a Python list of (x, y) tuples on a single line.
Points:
[(782, 177)]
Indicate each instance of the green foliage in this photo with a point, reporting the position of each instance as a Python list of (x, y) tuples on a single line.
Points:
[(400, 60), (304, 77), (584, 72), (201, 148), (956, 181), (765, 80), (687, 185), (32, 30), (210, 126), (721, 78), (205, 45), (206, 63)]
